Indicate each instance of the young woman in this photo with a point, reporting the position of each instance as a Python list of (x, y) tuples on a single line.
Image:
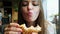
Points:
[(30, 14)]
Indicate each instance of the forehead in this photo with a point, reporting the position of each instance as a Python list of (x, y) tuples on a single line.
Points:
[(31, 0)]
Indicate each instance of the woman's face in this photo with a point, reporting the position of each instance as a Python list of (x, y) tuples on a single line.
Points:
[(30, 10)]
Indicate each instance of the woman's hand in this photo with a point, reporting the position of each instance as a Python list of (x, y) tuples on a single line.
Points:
[(12, 28)]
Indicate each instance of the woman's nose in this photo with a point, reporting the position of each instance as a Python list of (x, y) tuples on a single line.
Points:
[(30, 6)]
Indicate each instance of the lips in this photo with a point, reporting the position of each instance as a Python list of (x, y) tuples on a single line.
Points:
[(29, 13)]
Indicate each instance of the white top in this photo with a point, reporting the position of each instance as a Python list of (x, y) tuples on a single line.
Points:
[(50, 28)]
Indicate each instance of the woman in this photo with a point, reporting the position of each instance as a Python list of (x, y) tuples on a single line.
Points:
[(30, 13)]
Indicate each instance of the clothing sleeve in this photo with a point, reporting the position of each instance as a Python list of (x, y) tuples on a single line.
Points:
[(50, 28), (2, 29)]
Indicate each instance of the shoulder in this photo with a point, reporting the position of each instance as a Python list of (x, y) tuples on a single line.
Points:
[(50, 27), (49, 23)]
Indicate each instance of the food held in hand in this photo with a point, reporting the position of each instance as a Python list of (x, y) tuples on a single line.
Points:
[(30, 29)]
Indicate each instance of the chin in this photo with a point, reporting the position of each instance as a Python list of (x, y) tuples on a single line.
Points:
[(30, 20)]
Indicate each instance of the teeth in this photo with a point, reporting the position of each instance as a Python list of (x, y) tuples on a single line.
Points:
[(30, 29)]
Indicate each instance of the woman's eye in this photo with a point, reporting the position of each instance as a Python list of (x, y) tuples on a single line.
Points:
[(35, 4), (24, 4)]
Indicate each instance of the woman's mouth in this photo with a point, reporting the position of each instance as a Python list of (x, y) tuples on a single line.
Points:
[(29, 13)]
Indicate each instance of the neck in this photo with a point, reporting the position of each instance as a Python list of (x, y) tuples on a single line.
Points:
[(30, 24)]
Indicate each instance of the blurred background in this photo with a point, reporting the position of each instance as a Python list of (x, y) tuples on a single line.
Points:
[(9, 12), (51, 12)]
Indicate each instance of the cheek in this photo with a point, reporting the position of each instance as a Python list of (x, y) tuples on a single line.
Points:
[(24, 12), (24, 9), (36, 13), (37, 9)]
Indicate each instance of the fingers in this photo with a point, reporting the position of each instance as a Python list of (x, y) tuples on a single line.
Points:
[(14, 24), (13, 29), (12, 32)]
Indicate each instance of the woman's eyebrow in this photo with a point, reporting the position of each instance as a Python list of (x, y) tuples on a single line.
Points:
[(25, 1), (35, 0), (31, 0)]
